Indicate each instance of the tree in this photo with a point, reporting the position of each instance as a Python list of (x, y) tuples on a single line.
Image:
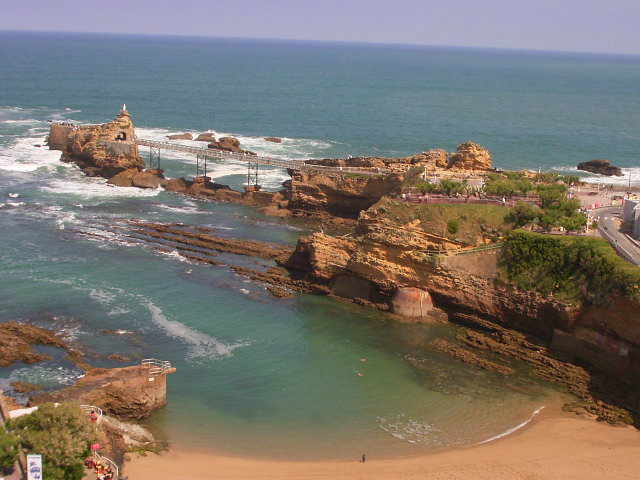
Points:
[(523, 213), (546, 177), (502, 188), (551, 194), (426, 187), (451, 187), (574, 222), (8, 448), (62, 435), (453, 226), (570, 179)]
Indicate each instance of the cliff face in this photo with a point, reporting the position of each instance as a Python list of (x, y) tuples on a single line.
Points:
[(99, 150), (384, 258), (128, 392), (312, 193)]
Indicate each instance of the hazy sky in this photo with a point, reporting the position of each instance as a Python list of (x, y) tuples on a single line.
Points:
[(574, 25)]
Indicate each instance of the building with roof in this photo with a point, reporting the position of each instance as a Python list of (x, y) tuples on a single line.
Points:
[(631, 215)]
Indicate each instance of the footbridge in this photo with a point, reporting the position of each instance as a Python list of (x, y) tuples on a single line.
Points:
[(202, 155)]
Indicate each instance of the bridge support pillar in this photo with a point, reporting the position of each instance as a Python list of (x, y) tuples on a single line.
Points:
[(201, 169), (154, 161), (252, 177)]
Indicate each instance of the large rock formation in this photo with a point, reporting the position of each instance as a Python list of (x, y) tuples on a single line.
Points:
[(342, 195), (470, 156), (99, 150), (16, 340), (135, 178), (228, 144), (129, 392), (435, 157), (385, 257), (601, 167)]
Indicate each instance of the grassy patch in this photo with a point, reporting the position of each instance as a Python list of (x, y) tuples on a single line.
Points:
[(572, 268), (471, 222)]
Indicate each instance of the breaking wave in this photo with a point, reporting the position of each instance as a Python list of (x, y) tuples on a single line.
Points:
[(513, 429), (202, 346), (407, 429)]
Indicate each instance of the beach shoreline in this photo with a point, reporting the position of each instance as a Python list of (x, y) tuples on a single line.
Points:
[(555, 444)]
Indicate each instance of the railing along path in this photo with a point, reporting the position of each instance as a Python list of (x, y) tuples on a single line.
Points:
[(261, 159), (156, 367)]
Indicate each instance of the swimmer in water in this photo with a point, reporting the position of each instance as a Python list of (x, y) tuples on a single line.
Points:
[(360, 374), (362, 359)]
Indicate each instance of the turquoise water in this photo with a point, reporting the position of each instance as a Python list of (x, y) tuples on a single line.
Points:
[(258, 375)]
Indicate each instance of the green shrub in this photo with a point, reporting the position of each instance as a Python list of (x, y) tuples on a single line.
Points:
[(573, 268), (453, 226), (523, 213), (8, 448), (62, 435)]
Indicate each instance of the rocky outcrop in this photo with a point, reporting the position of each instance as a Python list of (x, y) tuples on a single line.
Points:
[(273, 139), (16, 340), (206, 137), (228, 144), (601, 167), (128, 392), (435, 157), (99, 150), (470, 156), (180, 136), (135, 178), (384, 258), (342, 195)]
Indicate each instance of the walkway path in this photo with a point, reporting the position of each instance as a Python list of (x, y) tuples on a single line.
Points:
[(261, 159)]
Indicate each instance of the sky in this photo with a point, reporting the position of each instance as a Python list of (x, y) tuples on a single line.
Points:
[(609, 26)]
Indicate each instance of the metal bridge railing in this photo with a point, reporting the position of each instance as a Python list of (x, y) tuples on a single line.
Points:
[(105, 460), (156, 367), (261, 159), (92, 408)]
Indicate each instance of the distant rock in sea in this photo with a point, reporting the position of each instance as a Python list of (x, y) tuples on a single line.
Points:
[(273, 139), (206, 137), (180, 136), (229, 144), (602, 167)]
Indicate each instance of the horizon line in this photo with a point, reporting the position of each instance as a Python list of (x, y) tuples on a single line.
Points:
[(347, 42)]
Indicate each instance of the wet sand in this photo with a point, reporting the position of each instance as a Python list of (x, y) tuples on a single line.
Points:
[(555, 445)]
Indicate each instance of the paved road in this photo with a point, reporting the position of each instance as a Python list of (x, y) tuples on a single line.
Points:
[(609, 230)]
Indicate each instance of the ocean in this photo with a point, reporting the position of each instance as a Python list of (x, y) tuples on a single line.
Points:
[(258, 375)]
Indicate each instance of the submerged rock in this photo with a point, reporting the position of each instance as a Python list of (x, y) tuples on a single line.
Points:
[(16, 340)]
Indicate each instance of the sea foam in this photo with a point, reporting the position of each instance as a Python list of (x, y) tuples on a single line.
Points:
[(202, 346)]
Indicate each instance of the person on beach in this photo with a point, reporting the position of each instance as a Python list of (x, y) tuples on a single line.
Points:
[(364, 458)]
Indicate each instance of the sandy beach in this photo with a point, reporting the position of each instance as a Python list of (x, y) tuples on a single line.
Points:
[(555, 445)]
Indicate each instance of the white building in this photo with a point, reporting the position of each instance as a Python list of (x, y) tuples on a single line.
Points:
[(631, 214)]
